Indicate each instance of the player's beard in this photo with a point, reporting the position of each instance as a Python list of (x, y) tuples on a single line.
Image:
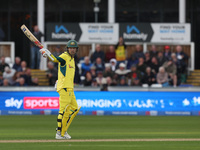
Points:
[(72, 54)]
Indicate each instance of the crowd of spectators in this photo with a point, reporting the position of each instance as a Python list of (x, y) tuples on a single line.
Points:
[(17, 74), (112, 68), (163, 68)]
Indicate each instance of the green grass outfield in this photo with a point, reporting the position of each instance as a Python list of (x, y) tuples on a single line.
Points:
[(168, 129)]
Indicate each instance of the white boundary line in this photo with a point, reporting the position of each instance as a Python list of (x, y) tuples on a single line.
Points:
[(99, 140)]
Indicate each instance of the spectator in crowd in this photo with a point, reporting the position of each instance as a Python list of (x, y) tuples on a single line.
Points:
[(88, 79), (21, 72), (149, 77), (161, 59), (28, 78), (17, 64), (94, 83), (110, 54), (99, 64), (93, 72), (110, 81), (113, 64), (8, 61), (180, 54), (35, 82), (167, 52), (162, 77), (21, 82), (35, 53), (51, 73), (122, 81), (3, 64), (57, 53), (138, 53), (174, 58), (6, 82), (85, 66), (23, 66), (154, 65), (97, 54), (8, 74), (122, 71), (171, 69), (141, 66), (147, 59), (108, 74), (132, 61), (120, 51), (16, 76), (178, 63), (135, 76), (182, 58), (100, 79), (153, 51), (180, 68)]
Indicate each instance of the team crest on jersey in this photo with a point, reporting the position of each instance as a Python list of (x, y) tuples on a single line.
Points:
[(70, 66)]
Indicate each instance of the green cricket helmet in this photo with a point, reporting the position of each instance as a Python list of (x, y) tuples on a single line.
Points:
[(72, 43)]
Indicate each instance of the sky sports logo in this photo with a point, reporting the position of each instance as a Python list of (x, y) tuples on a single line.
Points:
[(133, 33), (33, 103), (41, 103), (61, 32)]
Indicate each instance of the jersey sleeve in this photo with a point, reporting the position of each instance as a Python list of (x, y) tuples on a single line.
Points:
[(62, 59)]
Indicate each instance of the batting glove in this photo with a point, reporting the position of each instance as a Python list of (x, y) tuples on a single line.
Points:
[(44, 52)]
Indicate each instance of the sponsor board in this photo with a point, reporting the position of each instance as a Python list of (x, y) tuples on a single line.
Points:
[(99, 33), (171, 32), (63, 32), (155, 32), (133, 32), (83, 32), (103, 103), (110, 33)]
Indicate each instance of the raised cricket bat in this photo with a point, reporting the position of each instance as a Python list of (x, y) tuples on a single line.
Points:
[(32, 38)]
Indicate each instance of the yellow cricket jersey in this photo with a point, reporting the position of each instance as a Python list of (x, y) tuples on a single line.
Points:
[(120, 53), (66, 71)]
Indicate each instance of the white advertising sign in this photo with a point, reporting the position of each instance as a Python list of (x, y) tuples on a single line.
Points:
[(99, 33), (171, 32)]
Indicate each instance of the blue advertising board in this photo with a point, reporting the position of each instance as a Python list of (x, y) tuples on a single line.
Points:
[(104, 103)]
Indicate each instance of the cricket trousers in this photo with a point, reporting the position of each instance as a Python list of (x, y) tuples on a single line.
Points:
[(68, 107)]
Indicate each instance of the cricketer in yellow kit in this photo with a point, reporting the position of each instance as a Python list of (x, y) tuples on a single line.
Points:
[(65, 85)]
